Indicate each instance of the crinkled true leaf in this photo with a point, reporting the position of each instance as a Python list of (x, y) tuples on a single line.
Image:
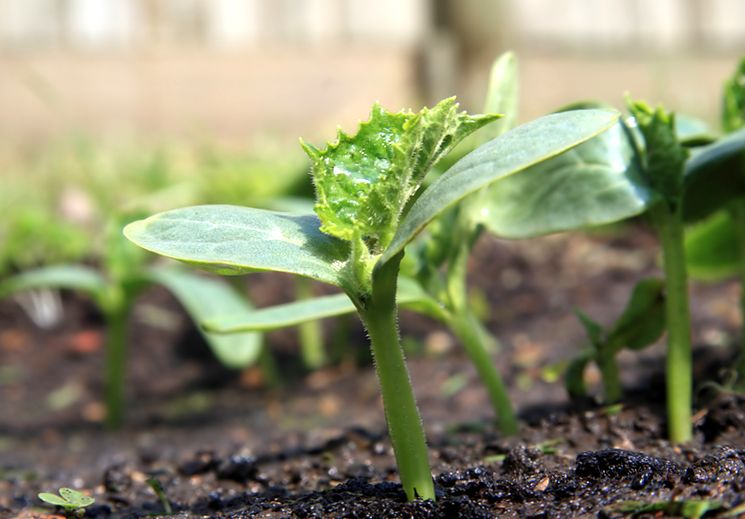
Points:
[(711, 248), (71, 277), (410, 295), (512, 153), (714, 175), (237, 240), (643, 320), (733, 100), (596, 182), (364, 181), (664, 155), (204, 299)]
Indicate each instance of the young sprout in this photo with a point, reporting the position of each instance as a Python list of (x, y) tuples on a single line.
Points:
[(114, 291), (71, 501), (641, 324), (370, 205)]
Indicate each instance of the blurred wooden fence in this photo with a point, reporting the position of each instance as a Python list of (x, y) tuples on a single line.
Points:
[(109, 24), (234, 68), (590, 25)]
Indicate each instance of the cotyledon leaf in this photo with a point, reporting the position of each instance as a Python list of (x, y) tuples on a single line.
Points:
[(204, 299), (594, 183), (513, 152), (236, 240), (410, 295), (71, 277)]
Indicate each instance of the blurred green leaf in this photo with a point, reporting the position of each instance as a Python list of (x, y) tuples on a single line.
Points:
[(71, 277), (206, 298), (711, 248)]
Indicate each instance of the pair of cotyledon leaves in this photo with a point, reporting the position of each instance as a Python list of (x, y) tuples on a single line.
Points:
[(562, 171)]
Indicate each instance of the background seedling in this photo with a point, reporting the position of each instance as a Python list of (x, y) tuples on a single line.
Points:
[(641, 324), (369, 207), (715, 248), (71, 501), (114, 292)]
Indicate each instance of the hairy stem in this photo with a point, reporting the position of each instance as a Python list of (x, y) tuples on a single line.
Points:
[(469, 331), (669, 225), (379, 315)]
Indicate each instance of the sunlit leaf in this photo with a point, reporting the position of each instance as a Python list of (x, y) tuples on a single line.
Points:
[(236, 240), (512, 153), (594, 183)]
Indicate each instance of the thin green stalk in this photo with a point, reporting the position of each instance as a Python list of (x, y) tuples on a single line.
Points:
[(612, 390), (310, 333), (472, 335), (669, 225), (468, 330), (268, 367), (737, 213), (115, 365), (379, 315)]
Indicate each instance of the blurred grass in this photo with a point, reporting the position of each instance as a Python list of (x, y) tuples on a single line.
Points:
[(57, 202)]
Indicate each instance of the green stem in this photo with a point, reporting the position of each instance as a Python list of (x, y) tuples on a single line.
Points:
[(268, 367), (473, 336), (469, 331), (115, 364), (612, 390), (737, 213), (310, 332), (669, 224), (379, 315)]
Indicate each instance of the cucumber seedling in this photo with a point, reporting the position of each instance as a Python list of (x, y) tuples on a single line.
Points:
[(641, 324), (586, 184), (370, 204), (71, 501), (125, 274)]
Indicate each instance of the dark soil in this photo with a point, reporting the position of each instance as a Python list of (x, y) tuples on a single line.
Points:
[(223, 445)]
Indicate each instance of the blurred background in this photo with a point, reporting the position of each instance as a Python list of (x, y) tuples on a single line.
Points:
[(232, 70)]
